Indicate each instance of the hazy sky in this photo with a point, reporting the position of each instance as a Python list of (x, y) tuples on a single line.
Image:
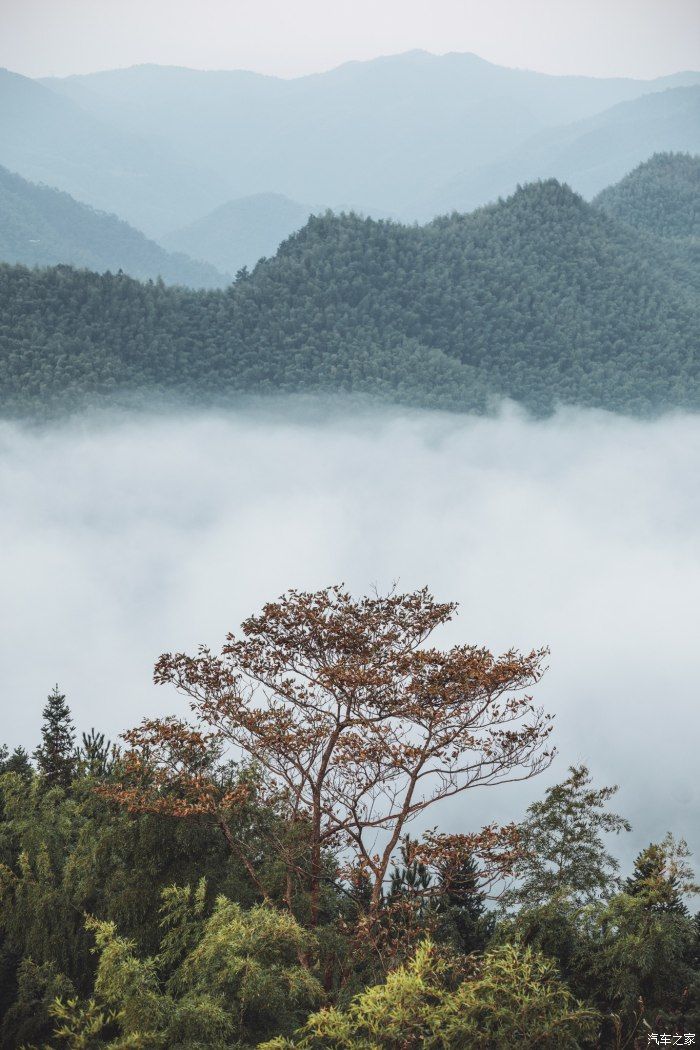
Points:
[(643, 38), (123, 540)]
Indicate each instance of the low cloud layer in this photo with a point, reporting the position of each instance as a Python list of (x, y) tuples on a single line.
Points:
[(123, 537)]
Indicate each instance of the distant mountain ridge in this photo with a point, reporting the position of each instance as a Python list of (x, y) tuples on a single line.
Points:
[(46, 138), (378, 136), (40, 226), (589, 154), (240, 232), (540, 298)]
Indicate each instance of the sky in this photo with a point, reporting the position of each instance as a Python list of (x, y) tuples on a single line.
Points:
[(126, 537), (639, 38)]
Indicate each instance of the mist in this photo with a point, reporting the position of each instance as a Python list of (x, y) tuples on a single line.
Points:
[(628, 37), (122, 536)]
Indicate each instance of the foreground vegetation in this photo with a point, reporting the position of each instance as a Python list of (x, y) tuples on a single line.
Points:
[(161, 895)]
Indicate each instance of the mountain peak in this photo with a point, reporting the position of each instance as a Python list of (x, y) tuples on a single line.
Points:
[(660, 196), (549, 193)]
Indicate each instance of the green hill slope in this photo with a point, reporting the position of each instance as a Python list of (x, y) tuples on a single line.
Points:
[(239, 233), (541, 298), (40, 226), (661, 196)]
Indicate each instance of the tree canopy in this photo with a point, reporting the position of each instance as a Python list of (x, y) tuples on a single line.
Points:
[(128, 919), (541, 298), (660, 196)]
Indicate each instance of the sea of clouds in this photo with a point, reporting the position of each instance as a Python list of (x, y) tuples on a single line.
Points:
[(122, 536)]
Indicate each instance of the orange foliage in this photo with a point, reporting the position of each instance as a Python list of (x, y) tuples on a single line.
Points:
[(353, 718)]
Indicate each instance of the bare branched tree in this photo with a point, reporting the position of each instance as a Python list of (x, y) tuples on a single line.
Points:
[(358, 722)]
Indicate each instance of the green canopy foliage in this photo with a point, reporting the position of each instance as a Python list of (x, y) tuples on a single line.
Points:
[(660, 196), (541, 298), (145, 931), (514, 998)]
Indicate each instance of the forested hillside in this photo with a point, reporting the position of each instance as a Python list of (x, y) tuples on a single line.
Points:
[(542, 298), (40, 226), (661, 196)]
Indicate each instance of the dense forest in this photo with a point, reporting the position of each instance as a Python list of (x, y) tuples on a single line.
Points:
[(158, 894), (541, 298), (40, 226), (661, 196)]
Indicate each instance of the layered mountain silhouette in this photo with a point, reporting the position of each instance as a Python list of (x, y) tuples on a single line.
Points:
[(240, 232), (542, 298), (40, 226), (588, 154), (162, 147), (44, 137)]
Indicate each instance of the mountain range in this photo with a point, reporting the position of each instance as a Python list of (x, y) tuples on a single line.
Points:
[(543, 298), (162, 147), (589, 154), (49, 139)]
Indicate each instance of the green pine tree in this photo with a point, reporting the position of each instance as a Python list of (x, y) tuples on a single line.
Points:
[(563, 845), (95, 754), (16, 762), (56, 757), (662, 876)]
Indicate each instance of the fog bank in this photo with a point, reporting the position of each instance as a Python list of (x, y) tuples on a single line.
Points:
[(122, 537)]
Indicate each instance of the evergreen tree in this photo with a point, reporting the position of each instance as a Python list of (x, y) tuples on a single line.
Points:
[(96, 754), (563, 848), (465, 920), (56, 757), (17, 762), (661, 877), (411, 876), (460, 885)]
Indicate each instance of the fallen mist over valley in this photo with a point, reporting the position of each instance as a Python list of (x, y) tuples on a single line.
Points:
[(122, 536)]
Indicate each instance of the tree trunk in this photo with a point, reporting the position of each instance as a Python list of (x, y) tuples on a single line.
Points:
[(236, 849), (315, 876)]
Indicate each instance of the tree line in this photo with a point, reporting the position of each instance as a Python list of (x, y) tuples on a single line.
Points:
[(541, 298), (247, 877)]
